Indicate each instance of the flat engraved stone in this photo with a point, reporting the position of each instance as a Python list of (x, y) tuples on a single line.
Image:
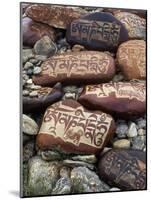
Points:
[(125, 169), (34, 31), (131, 57), (56, 16), (75, 68), (122, 99), (45, 97), (97, 31), (135, 25), (69, 127)]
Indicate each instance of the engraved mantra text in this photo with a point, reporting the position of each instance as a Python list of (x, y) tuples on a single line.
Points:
[(125, 90), (76, 126), (77, 65), (96, 30)]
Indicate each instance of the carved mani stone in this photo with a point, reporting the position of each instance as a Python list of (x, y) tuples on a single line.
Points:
[(122, 99), (69, 127), (125, 169), (34, 31), (76, 67), (135, 25), (131, 57), (97, 31), (56, 16), (45, 97)]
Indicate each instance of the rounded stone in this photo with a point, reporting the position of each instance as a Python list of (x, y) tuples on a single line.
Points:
[(132, 130), (42, 176), (131, 57), (33, 94), (25, 92), (76, 137), (135, 25), (121, 130), (45, 46), (33, 31), (29, 126), (28, 65), (96, 32), (125, 169), (84, 181), (81, 73), (29, 81), (141, 132), (122, 144), (29, 72), (37, 70)]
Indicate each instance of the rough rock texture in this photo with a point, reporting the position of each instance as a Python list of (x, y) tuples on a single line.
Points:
[(131, 57), (84, 180), (125, 169), (56, 16), (135, 25), (42, 176), (34, 31)]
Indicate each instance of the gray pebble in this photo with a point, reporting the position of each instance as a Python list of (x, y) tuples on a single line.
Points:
[(121, 130), (45, 46), (25, 92), (29, 126), (33, 94), (37, 70), (138, 142), (141, 132), (35, 87), (122, 144), (28, 65), (29, 81), (25, 77), (69, 95), (34, 61), (40, 57), (141, 123), (29, 71), (118, 77), (132, 131), (27, 54)]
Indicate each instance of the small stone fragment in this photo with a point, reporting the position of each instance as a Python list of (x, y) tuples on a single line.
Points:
[(33, 94), (25, 92), (132, 131), (29, 127), (45, 46), (121, 130), (122, 144), (63, 186), (37, 70), (42, 176), (131, 57), (28, 150), (85, 158), (141, 132), (28, 65), (73, 163), (84, 181)]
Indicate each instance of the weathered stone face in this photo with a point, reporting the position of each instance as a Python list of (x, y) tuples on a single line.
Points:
[(121, 99), (76, 68), (56, 16), (67, 126), (97, 31), (135, 25), (42, 176), (125, 169), (131, 57), (45, 97), (34, 31)]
